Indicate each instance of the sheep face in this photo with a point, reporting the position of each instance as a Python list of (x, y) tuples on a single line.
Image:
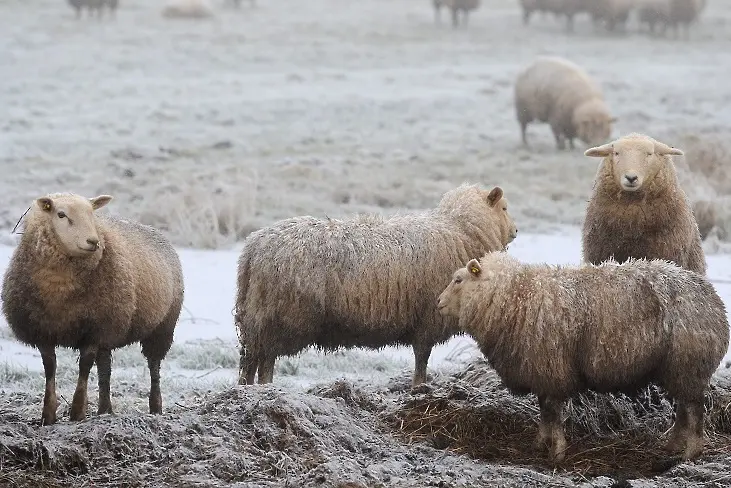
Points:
[(499, 206), (593, 124), (73, 222), (634, 161), (450, 300)]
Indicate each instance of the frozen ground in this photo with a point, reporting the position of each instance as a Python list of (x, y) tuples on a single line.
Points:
[(209, 129)]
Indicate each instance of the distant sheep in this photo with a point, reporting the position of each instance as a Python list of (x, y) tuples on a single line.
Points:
[(612, 12), (567, 8), (556, 91), (94, 6), (92, 283), (654, 13), (637, 208), (190, 9), (455, 6), (555, 331), (368, 281), (683, 13)]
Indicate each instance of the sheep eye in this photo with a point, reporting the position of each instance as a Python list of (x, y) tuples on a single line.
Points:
[(616, 153), (61, 215)]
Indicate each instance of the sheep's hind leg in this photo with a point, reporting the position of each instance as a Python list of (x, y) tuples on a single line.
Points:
[(104, 371), (48, 355), (694, 436), (87, 357), (677, 431), (266, 369), (155, 394), (248, 363)]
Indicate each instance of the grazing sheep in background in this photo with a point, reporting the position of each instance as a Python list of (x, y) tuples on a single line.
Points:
[(94, 6), (612, 12), (654, 12), (637, 208), (567, 8), (93, 283), (706, 216), (369, 281), (187, 9), (530, 6), (559, 330), (455, 6), (556, 91), (683, 13)]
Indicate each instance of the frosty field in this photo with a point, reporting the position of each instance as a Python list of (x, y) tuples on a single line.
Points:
[(209, 129)]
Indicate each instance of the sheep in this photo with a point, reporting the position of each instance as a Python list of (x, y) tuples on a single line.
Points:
[(555, 331), (637, 208), (192, 9), (93, 6), (567, 8), (557, 91), (345, 283), (92, 283), (684, 13), (612, 12), (455, 6), (654, 12)]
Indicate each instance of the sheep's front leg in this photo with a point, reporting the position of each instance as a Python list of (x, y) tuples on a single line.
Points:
[(86, 361), (104, 370), (48, 355), (155, 402), (421, 359), (551, 426)]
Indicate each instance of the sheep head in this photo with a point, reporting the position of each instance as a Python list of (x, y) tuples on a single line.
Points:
[(450, 300), (634, 160), (499, 205), (592, 122), (71, 217)]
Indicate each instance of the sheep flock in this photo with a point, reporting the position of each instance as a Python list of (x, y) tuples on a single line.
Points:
[(364, 213)]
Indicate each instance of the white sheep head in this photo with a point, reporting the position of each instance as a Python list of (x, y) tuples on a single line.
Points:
[(72, 219), (449, 302), (634, 160)]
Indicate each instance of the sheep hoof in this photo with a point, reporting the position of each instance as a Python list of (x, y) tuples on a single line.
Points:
[(48, 417), (693, 449)]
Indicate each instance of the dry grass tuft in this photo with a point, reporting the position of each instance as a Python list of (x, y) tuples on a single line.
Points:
[(609, 435)]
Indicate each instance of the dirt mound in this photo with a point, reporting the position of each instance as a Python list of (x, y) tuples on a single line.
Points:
[(609, 435), (461, 430)]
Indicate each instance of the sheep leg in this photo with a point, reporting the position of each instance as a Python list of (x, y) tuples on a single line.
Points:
[(155, 394), (248, 363), (677, 431), (266, 369), (104, 371), (78, 405), (526, 16), (558, 135), (421, 359), (455, 17), (551, 423), (437, 12), (569, 23), (694, 431), (48, 355)]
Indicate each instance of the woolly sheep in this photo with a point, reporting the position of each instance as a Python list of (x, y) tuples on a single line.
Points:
[(193, 9), (93, 5), (567, 8), (683, 13), (637, 208), (612, 12), (556, 91), (653, 12), (93, 283), (455, 6), (558, 330), (368, 281)]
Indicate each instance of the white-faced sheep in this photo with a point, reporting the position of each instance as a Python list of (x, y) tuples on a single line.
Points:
[(556, 91), (637, 208), (368, 281), (456, 6), (558, 330), (93, 283), (187, 9)]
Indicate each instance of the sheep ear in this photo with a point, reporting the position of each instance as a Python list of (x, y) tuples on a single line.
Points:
[(663, 149), (100, 201), (495, 195), (474, 268), (45, 204), (599, 151)]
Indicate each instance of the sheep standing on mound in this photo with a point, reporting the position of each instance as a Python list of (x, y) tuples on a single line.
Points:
[(557, 91), (187, 9), (637, 208), (369, 281), (455, 6), (558, 330), (93, 283)]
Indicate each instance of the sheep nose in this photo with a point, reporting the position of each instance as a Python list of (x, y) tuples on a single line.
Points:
[(630, 178), (93, 242)]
